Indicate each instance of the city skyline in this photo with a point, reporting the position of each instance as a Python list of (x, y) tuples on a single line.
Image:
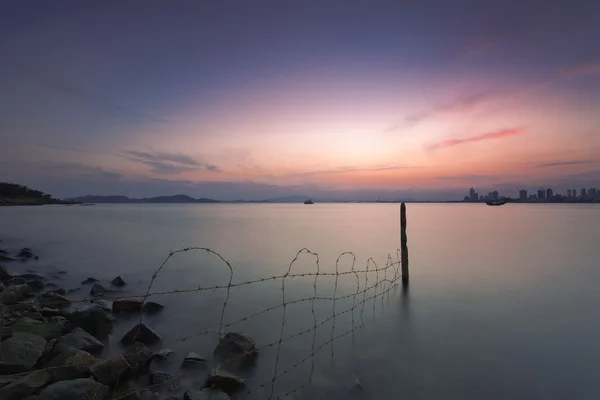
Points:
[(271, 98), (541, 194)]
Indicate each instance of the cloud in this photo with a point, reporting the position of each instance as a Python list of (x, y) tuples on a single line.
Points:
[(392, 128), (81, 170), (163, 162), (562, 163), (506, 133), (581, 69), (461, 104)]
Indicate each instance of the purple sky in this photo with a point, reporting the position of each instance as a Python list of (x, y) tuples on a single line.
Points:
[(331, 99)]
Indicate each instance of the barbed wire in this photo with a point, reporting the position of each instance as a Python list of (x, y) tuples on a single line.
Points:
[(369, 292)]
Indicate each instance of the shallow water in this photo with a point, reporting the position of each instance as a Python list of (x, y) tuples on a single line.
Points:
[(502, 301)]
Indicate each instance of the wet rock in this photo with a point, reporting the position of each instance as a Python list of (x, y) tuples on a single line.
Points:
[(194, 361), (58, 290), (126, 305), (74, 290), (50, 312), (17, 280), (118, 281), (103, 304), (141, 333), (165, 381), (81, 340), (47, 330), (52, 300), (15, 294), (2, 287), (109, 371), (138, 356), (143, 394), (89, 281), (6, 258), (6, 333), (227, 382), (25, 253), (92, 319), (63, 355), (97, 289), (21, 352), (163, 355), (35, 315), (151, 307), (32, 276), (236, 349), (76, 389), (36, 285), (4, 274), (206, 394)]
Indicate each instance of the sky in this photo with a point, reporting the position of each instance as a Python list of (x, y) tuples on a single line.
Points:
[(328, 99)]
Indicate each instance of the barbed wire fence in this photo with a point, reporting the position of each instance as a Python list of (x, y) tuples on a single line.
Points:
[(366, 290)]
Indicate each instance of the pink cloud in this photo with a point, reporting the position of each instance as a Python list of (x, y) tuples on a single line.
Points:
[(506, 133)]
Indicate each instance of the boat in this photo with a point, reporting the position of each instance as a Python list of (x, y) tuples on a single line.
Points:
[(495, 202), (309, 201)]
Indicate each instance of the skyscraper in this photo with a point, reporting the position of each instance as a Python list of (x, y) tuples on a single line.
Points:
[(473, 195), (549, 194), (569, 193), (541, 193), (522, 194), (582, 194)]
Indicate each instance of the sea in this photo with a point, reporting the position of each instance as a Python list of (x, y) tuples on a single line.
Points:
[(503, 302)]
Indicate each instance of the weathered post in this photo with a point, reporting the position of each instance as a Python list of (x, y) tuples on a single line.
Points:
[(403, 246)]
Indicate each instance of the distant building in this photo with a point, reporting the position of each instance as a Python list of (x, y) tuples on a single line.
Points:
[(574, 192), (549, 194), (522, 194), (569, 193), (593, 193), (541, 194), (473, 195), (582, 194)]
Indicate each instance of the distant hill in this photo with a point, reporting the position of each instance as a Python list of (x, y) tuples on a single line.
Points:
[(288, 199), (176, 199), (12, 194)]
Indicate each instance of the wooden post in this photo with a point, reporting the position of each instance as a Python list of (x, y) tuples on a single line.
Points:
[(403, 246)]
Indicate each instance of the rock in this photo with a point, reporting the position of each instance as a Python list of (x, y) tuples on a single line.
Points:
[(58, 290), (69, 355), (26, 253), (164, 380), (2, 287), (236, 349), (81, 340), (15, 294), (141, 333), (126, 305), (138, 356), (47, 330), (227, 382), (97, 289), (163, 355), (17, 280), (152, 307), (118, 281), (206, 394), (4, 274), (76, 389), (21, 352), (92, 319), (88, 281), (193, 361), (52, 300), (6, 333), (104, 305), (50, 312), (35, 315), (74, 290), (6, 258), (142, 394), (36, 285), (109, 371), (30, 276)]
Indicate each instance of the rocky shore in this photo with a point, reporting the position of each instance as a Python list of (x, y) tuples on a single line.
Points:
[(52, 348)]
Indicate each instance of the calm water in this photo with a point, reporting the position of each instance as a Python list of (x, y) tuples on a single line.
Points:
[(503, 301)]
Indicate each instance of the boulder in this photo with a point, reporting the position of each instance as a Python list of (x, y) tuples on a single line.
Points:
[(63, 355), (35, 315), (118, 281), (226, 381), (47, 330), (89, 281), (5, 258), (206, 394), (236, 349), (58, 290), (141, 333), (138, 356), (151, 307), (4, 274), (50, 312), (97, 289), (109, 371), (15, 294), (30, 276), (52, 300), (76, 389), (74, 290), (194, 361), (163, 355), (21, 352), (17, 280), (81, 340), (26, 253), (126, 305), (36, 285), (92, 319), (165, 381), (104, 305)]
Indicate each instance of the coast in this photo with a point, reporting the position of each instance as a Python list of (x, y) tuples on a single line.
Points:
[(54, 347)]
